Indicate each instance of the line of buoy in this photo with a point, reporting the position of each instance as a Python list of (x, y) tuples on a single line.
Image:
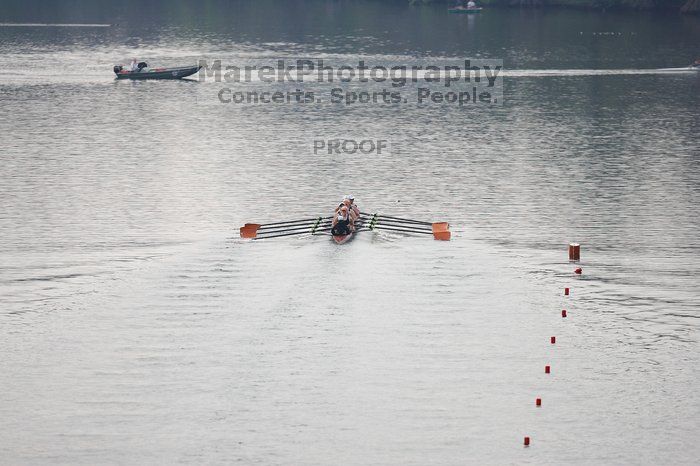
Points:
[(574, 256)]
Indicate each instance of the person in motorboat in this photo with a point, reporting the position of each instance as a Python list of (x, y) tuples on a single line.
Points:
[(461, 5), (137, 66), (342, 223), (696, 63)]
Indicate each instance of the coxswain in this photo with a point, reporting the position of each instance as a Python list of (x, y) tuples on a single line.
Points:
[(342, 223)]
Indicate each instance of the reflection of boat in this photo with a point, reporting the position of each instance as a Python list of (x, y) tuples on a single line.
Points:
[(466, 11), (156, 73)]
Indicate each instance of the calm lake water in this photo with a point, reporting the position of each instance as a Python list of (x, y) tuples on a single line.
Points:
[(136, 327)]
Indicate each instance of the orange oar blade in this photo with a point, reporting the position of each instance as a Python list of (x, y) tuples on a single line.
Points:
[(249, 231), (442, 235), (441, 226)]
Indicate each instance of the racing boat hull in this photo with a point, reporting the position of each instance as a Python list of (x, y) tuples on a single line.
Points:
[(340, 239), (159, 73), (465, 11)]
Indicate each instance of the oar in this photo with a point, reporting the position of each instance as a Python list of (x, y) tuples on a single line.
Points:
[(293, 227), (292, 234), (250, 230), (437, 226), (407, 220), (376, 219), (405, 230), (285, 225), (380, 221), (267, 225), (442, 235), (282, 234)]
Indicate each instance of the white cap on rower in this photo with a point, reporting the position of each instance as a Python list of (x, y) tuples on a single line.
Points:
[(350, 196)]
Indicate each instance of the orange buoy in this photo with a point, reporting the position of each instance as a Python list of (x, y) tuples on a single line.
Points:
[(546, 369), (578, 271), (526, 441), (563, 312), (538, 402), (574, 252), (553, 340)]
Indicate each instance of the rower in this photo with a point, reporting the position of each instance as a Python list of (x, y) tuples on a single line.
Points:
[(342, 223), (344, 202), (354, 210), (471, 5), (353, 206)]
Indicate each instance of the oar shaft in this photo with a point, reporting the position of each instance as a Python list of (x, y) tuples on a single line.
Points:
[(290, 228), (407, 220), (290, 222), (305, 232), (381, 221), (283, 234), (404, 230)]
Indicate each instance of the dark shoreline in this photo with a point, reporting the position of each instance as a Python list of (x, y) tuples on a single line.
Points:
[(667, 6)]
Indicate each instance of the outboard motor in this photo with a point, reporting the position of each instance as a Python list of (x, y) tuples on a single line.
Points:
[(117, 69), (142, 65)]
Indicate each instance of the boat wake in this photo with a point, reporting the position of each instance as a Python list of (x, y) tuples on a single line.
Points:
[(584, 72), (63, 25)]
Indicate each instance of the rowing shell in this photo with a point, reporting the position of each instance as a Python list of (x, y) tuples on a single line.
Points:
[(340, 239)]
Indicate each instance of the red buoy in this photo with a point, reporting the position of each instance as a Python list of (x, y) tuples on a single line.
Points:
[(546, 369), (574, 252), (563, 312), (566, 292), (553, 340), (526, 442), (578, 271), (538, 402)]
